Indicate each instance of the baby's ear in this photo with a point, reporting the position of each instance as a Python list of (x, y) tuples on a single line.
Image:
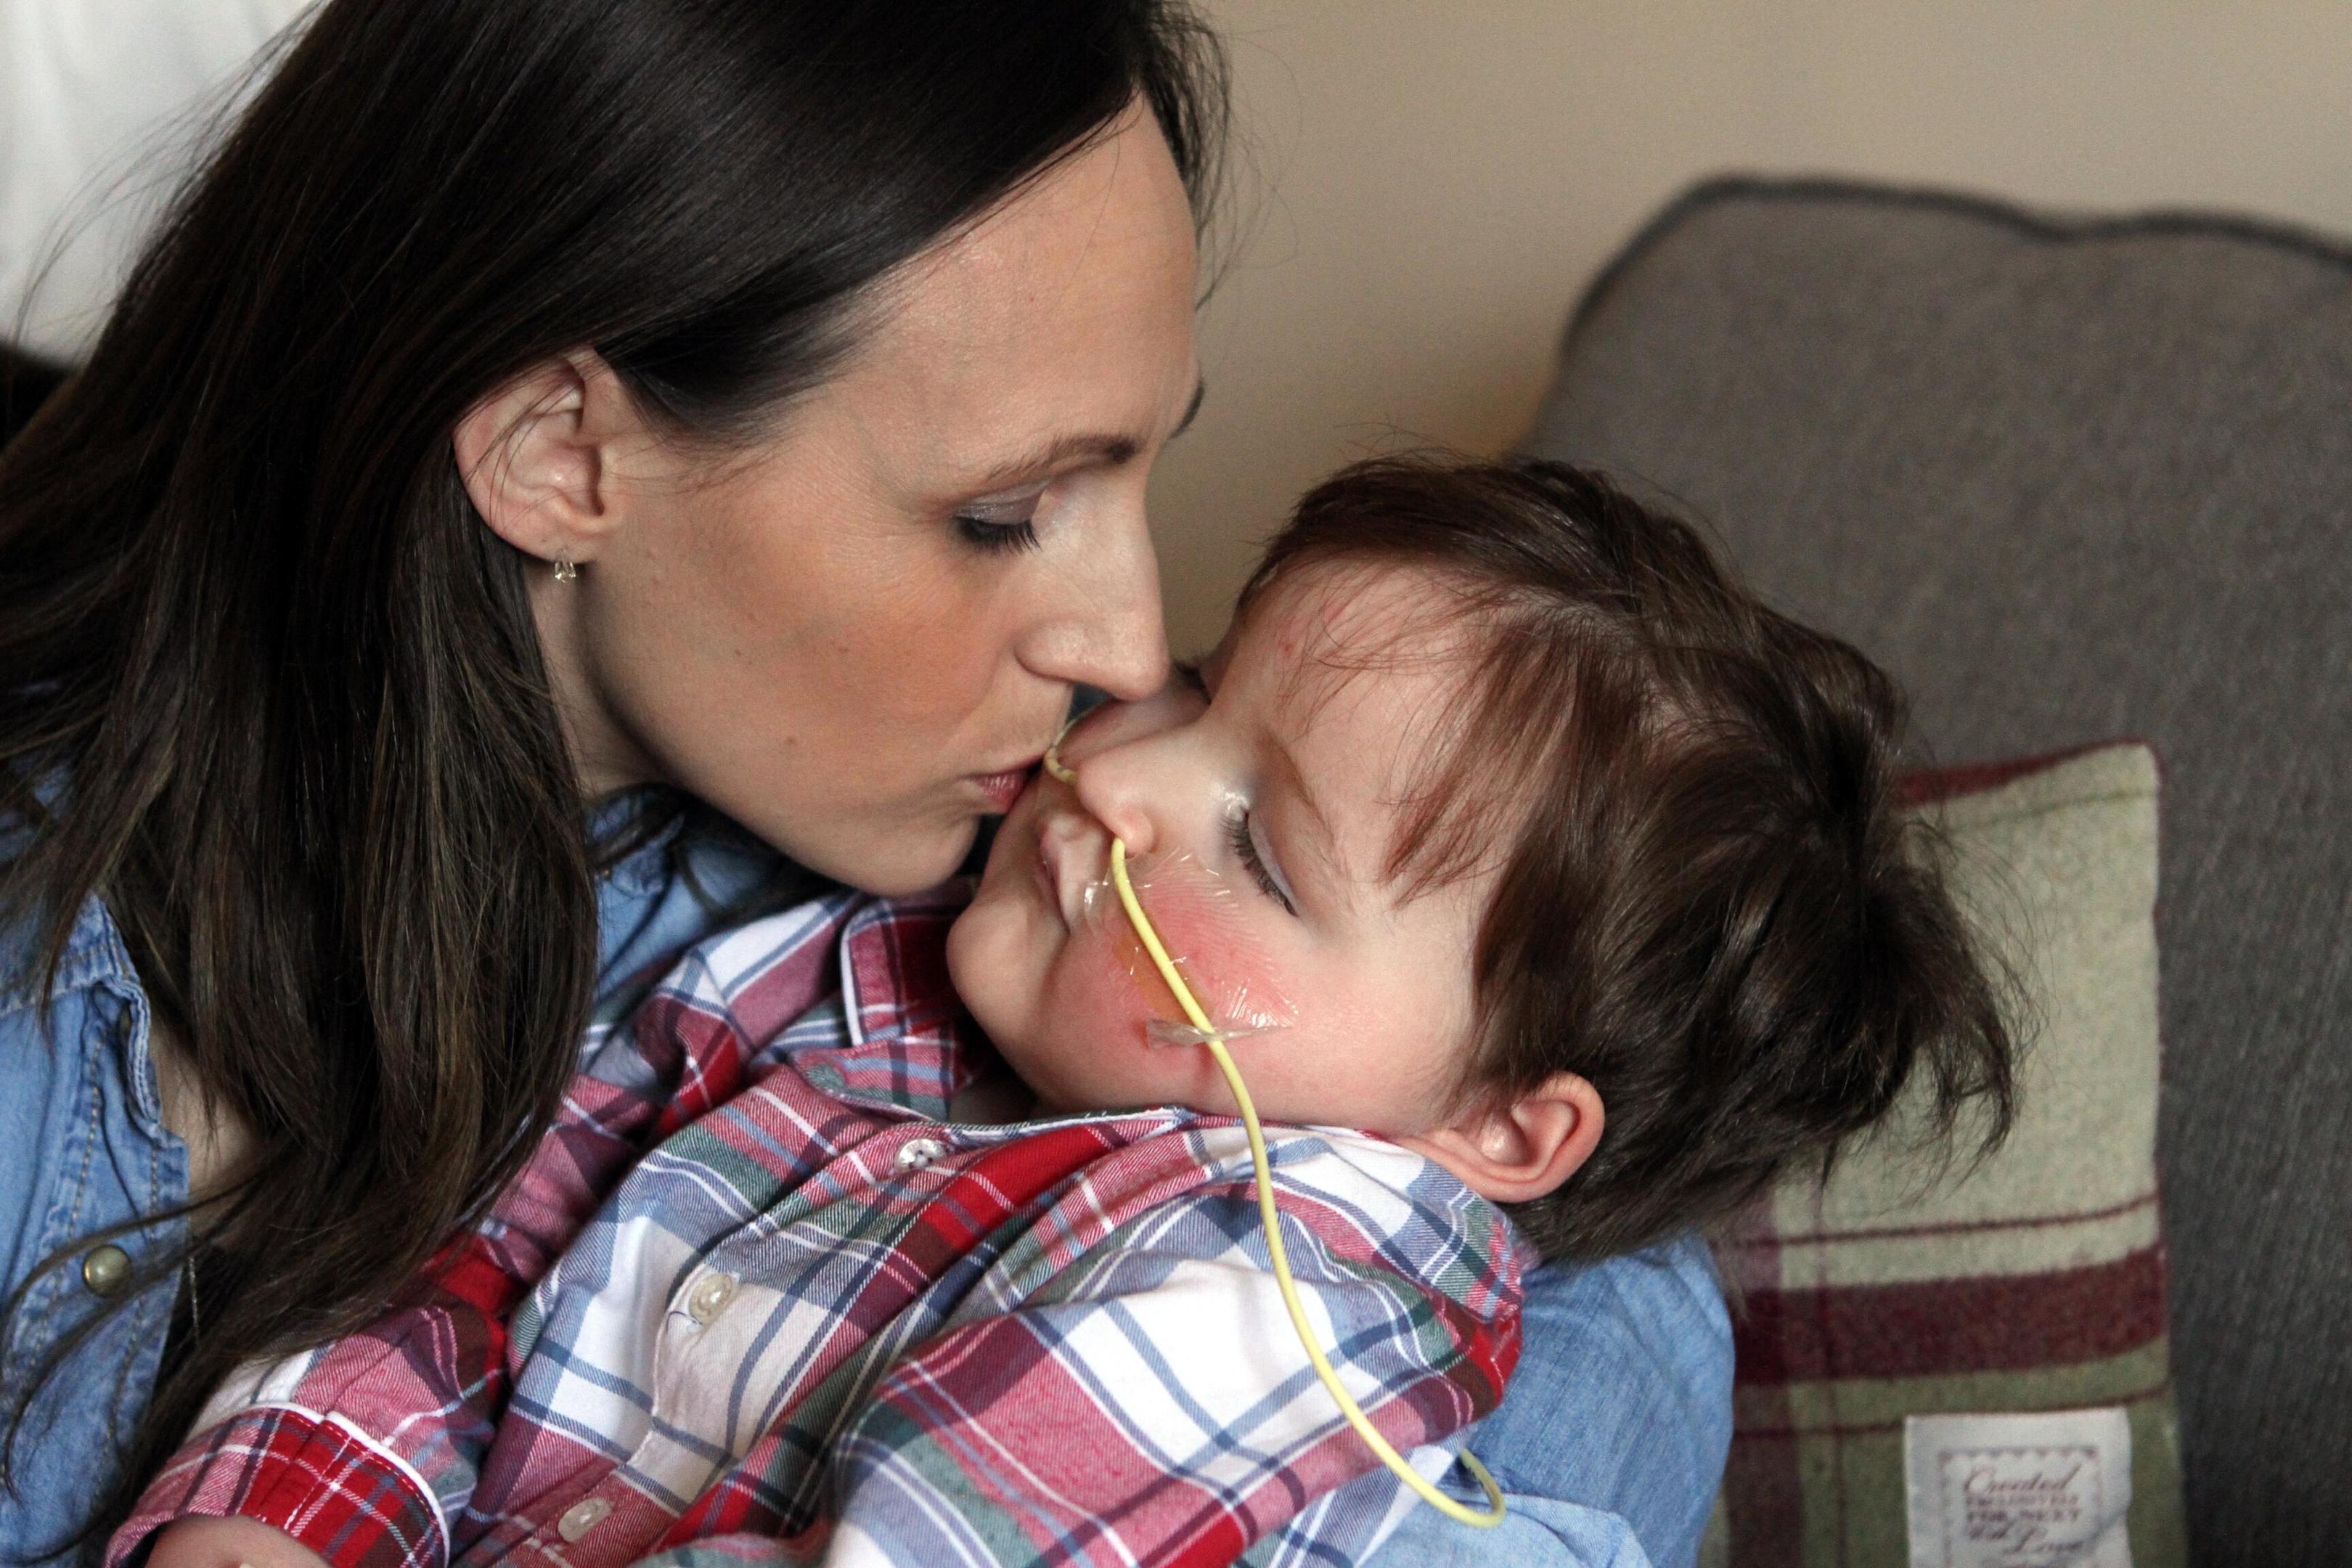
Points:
[(1523, 1149)]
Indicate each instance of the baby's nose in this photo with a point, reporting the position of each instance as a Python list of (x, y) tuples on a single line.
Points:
[(1112, 794)]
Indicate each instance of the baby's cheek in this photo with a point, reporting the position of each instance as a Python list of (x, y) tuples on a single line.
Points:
[(1095, 996), (1206, 932), (1226, 969), (1098, 1046)]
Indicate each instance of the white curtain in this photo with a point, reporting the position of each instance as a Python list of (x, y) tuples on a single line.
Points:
[(103, 103)]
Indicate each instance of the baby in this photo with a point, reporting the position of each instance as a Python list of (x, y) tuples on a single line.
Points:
[(1527, 866)]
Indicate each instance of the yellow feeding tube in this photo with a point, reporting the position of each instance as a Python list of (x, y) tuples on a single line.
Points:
[(1213, 1038)]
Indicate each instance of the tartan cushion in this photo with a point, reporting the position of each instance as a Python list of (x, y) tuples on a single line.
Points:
[(2031, 1282)]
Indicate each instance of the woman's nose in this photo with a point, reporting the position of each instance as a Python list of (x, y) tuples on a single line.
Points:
[(1107, 630)]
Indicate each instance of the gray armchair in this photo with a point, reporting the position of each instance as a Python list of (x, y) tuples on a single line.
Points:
[(2074, 482)]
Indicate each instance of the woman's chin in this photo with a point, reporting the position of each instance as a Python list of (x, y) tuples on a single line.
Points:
[(896, 864)]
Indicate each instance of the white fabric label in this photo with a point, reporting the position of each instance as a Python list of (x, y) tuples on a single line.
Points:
[(2019, 1491)]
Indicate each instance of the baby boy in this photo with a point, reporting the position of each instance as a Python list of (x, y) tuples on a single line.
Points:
[(1552, 896)]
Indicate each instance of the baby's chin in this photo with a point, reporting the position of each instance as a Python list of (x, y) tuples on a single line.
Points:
[(983, 949), (1071, 1072), (1061, 1012)]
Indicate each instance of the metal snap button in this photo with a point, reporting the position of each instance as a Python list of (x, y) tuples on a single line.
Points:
[(709, 1297), (918, 1152), (106, 1269), (583, 1517)]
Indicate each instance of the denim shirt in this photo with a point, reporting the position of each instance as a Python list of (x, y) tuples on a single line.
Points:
[(1610, 1442)]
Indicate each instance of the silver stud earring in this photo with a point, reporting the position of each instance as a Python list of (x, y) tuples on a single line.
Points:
[(565, 572)]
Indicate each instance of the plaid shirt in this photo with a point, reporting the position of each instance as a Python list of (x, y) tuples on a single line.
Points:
[(756, 1298)]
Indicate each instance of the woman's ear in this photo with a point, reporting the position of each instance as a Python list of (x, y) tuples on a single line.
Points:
[(539, 455), (1513, 1152)]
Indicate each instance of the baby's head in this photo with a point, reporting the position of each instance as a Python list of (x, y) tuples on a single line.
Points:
[(1504, 824)]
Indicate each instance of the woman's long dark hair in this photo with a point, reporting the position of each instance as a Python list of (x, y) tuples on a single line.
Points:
[(270, 689)]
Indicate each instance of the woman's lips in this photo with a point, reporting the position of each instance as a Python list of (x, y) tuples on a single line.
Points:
[(1001, 790)]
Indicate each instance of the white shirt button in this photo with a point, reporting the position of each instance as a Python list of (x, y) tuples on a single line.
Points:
[(583, 1517), (918, 1153), (709, 1296)]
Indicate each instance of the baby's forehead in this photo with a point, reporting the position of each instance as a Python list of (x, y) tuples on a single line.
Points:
[(1377, 673), (1351, 628), (1365, 673)]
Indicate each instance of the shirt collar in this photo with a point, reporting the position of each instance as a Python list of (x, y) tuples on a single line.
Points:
[(909, 1039)]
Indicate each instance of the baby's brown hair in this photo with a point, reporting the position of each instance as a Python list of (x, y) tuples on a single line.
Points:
[(1708, 900)]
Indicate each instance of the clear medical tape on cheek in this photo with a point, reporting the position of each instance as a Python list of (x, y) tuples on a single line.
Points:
[(1168, 1032), (1240, 1000), (1201, 1029)]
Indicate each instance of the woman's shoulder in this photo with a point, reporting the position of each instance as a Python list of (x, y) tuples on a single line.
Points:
[(84, 1154), (92, 954), (82, 1141), (72, 1025), (93, 951)]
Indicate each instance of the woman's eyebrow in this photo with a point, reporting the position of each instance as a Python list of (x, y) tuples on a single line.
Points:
[(1059, 453), (1094, 446)]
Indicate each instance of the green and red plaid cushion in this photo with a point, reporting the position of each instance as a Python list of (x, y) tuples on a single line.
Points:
[(2031, 1282)]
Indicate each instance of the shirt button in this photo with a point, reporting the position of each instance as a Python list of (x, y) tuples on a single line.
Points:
[(709, 1297), (918, 1152), (106, 1271), (583, 1517)]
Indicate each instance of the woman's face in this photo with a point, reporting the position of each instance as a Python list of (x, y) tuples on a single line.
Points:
[(856, 638)]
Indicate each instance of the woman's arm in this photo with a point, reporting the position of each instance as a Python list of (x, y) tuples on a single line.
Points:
[(1616, 1422)]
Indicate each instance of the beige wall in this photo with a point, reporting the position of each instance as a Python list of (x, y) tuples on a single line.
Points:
[(1436, 179)]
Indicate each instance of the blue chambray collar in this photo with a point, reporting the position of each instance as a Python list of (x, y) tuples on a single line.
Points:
[(95, 960), (645, 870)]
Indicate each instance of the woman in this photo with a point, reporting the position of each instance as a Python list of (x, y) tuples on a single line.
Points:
[(566, 470)]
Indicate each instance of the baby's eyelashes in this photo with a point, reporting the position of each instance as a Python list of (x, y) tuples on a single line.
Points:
[(1241, 831)]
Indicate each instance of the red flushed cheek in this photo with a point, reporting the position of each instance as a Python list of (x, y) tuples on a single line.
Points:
[(1200, 924), (1112, 992)]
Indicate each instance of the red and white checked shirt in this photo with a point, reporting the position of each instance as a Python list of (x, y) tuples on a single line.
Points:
[(755, 1297)]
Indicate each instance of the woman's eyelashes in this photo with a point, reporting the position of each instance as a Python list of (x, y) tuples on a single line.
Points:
[(1001, 525), (1242, 835)]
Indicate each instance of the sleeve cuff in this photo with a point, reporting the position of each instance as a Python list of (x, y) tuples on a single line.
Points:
[(320, 1481)]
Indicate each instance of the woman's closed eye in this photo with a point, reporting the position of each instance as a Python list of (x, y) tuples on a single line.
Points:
[(1001, 525), (1241, 832)]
